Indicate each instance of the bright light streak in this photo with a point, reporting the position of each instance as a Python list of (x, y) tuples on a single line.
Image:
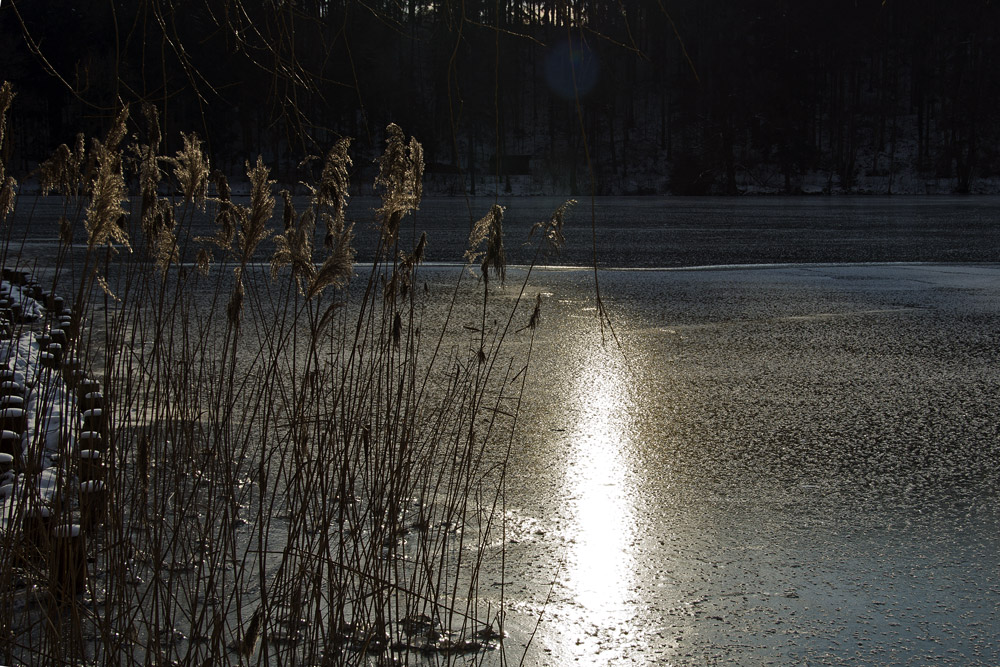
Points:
[(600, 563)]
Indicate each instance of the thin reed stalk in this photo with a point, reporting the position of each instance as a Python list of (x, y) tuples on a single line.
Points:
[(305, 465)]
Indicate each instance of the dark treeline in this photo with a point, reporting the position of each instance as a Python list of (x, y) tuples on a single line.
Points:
[(683, 96)]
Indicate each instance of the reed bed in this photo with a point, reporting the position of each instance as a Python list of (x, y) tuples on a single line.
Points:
[(305, 458)]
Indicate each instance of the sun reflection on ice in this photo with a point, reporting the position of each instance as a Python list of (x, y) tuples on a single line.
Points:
[(599, 565)]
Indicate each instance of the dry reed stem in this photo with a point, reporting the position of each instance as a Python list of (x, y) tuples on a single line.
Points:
[(8, 186), (234, 311), (302, 450)]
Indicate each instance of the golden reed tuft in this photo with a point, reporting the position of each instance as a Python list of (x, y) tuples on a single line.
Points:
[(149, 171), (488, 229), (192, 170), (551, 229), (338, 268), (401, 175), (253, 220), (108, 190), (294, 248)]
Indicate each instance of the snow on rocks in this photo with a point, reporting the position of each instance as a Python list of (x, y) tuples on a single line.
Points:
[(50, 485), (19, 297)]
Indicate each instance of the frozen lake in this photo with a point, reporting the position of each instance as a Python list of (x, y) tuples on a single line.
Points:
[(787, 466), (666, 231), (676, 231), (792, 458)]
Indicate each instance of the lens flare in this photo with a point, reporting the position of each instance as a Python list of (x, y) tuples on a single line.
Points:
[(572, 69)]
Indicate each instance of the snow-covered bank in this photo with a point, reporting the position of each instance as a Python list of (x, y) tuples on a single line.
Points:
[(49, 411)]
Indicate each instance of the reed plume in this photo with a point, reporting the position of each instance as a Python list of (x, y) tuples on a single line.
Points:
[(53, 174), (226, 217), (488, 229), (63, 172), (65, 230), (551, 230), (248, 642), (8, 193), (75, 168), (6, 99), (109, 191), (165, 250), (402, 277), (204, 261), (102, 282), (149, 172), (338, 268), (329, 200), (334, 181), (536, 313), (288, 214), (294, 247), (253, 220), (191, 169), (401, 174)]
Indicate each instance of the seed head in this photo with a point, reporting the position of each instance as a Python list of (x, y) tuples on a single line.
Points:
[(401, 174), (335, 181), (489, 229), (253, 220), (108, 190), (551, 230), (338, 268), (204, 261), (191, 170)]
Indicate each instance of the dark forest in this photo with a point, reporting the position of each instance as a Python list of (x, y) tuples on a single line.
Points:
[(574, 97)]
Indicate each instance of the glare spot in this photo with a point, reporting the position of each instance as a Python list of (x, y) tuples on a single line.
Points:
[(571, 69), (600, 561)]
